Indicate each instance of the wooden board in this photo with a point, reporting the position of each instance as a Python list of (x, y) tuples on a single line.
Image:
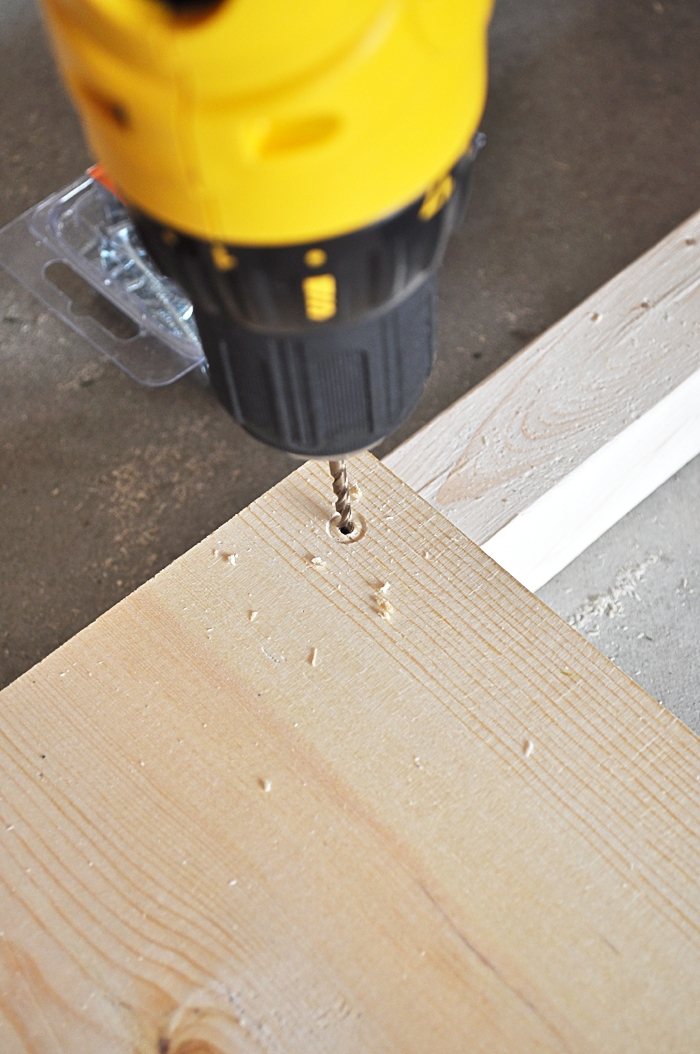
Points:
[(551, 450), (457, 830)]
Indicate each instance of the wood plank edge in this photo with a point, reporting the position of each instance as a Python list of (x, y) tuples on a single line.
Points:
[(581, 507), (559, 524)]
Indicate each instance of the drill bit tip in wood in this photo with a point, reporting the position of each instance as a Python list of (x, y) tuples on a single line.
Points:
[(343, 506)]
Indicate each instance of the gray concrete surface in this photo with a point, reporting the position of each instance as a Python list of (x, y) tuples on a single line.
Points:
[(592, 123), (635, 594)]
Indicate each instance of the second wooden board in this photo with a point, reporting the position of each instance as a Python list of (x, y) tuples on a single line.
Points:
[(550, 451)]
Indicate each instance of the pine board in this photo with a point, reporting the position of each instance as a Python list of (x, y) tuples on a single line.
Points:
[(477, 834), (519, 439), (542, 539)]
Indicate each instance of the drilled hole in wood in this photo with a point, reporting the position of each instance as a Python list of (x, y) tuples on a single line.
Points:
[(359, 528)]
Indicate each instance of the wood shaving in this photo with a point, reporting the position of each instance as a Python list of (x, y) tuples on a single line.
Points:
[(313, 657), (229, 558), (354, 492), (528, 747), (385, 609)]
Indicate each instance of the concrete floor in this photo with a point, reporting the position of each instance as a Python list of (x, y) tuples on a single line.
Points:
[(593, 122), (635, 594)]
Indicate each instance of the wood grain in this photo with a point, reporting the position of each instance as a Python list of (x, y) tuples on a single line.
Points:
[(509, 441), (542, 539), (461, 830)]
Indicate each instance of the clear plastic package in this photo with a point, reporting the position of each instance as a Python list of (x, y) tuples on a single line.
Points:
[(78, 252)]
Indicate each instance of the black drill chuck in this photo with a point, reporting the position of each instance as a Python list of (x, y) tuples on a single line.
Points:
[(320, 349)]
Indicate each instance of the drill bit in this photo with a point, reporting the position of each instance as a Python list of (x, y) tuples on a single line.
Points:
[(339, 472)]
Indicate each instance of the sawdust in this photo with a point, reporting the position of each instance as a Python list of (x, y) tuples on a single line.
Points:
[(146, 491), (228, 558), (317, 561), (385, 609), (610, 604), (313, 657)]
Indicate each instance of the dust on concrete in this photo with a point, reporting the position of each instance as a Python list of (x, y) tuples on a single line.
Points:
[(611, 603), (158, 481), (648, 621)]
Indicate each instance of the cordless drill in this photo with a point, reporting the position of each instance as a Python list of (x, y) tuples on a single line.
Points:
[(297, 166)]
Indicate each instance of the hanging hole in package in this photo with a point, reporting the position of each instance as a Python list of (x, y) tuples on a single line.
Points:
[(78, 252)]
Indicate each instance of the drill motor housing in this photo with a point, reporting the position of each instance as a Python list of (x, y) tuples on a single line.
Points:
[(323, 348)]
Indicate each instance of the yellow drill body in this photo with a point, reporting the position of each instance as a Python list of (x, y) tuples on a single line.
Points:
[(274, 122)]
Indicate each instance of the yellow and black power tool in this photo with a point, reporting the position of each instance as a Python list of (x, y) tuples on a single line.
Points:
[(297, 167)]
